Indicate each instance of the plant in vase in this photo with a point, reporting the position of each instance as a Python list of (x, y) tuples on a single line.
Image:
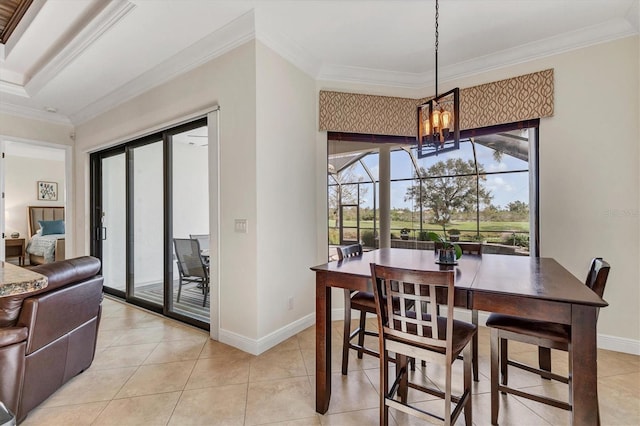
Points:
[(448, 252)]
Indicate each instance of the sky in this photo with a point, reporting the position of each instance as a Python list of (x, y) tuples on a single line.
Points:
[(505, 188)]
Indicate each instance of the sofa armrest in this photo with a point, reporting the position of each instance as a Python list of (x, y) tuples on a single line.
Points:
[(52, 315), (12, 335)]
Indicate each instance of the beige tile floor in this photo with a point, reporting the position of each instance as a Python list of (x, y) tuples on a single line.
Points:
[(150, 370)]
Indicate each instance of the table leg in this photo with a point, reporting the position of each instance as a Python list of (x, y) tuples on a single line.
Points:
[(323, 343), (583, 359), (474, 346)]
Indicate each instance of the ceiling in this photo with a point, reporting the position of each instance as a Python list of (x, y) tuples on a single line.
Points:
[(71, 60)]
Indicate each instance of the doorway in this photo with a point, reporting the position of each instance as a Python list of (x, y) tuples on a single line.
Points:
[(23, 165), (145, 194)]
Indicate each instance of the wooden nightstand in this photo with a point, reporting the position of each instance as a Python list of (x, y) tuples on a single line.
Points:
[(15, 247)]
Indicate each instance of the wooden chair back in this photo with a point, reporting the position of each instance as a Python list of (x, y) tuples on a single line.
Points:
[(349, 251), (416, 289), (597, 276)]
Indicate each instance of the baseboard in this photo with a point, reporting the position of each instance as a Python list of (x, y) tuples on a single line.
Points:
[(611, 343), (619, 344), (258, 346)]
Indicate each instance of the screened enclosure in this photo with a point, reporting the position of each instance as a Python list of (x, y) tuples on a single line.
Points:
[(480, 192)]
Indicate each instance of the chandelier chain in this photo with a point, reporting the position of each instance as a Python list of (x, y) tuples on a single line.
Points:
[(437, 16)]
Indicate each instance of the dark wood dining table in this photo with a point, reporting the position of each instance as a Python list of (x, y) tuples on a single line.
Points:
[(535, 288)]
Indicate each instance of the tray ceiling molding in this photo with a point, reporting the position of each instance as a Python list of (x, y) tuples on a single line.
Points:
[(105, 19), (227, 38)]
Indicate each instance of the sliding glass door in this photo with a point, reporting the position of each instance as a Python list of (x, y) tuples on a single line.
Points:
[(146, 194), (189, 170), (146, 215), (112, 220)]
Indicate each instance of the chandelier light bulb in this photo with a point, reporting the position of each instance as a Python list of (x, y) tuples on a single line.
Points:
[(446, 118)]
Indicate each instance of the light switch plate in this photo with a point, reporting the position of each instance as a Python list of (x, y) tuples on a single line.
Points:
[(241, 226)]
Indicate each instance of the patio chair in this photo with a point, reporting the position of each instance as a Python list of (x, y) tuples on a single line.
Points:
[(191, 266), (203, 240)]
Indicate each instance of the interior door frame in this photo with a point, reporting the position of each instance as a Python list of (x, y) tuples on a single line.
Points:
[(69, 185)]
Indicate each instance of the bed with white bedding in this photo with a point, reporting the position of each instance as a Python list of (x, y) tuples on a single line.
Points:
[(47, 243)]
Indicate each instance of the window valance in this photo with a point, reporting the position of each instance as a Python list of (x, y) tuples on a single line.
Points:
[(514, 99)]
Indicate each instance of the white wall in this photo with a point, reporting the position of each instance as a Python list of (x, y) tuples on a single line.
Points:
[(267, 174), (228, 81), (285, 168), (21, 175), (589, 171), (24, 128), (588, 175)]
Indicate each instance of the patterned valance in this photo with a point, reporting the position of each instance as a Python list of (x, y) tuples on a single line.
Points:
[(520, 98)]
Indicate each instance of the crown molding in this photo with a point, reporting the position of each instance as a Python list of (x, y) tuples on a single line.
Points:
[(374, 77), (596, 34), (34, 114), (106, 17), (601, 33), (227, 38), (289, 50), (248, 27), (13, 89)]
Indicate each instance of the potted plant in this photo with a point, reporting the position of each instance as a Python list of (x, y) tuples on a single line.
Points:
[(447, 251), (404, 233), (454, 235)]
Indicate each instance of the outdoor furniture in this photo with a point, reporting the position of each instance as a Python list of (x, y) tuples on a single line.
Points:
[(203, 240), (543, 334), (191, 267), (533, 288), (409, 333)]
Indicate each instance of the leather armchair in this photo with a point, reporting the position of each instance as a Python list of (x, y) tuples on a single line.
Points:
[(49, 336)]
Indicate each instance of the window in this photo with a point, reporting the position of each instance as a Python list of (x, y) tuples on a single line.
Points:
[(480, 192)]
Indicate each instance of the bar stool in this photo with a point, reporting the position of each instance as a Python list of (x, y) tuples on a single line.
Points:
[(416, 333), (362, 301), (545, 335)]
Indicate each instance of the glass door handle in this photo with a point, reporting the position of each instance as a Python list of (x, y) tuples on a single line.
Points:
[(101, 233)]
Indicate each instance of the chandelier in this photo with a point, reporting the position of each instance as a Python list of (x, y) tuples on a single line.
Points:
[(439, 117)]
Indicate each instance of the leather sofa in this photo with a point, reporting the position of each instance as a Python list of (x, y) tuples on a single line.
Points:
[(49, 336)]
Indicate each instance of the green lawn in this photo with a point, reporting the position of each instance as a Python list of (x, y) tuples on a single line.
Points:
[(469, 226)]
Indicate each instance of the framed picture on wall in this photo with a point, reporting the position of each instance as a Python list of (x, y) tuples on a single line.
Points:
[(47, 191)]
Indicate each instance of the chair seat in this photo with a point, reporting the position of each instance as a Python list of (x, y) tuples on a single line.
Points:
[(541, 329), (462, 333), (364, 301)]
